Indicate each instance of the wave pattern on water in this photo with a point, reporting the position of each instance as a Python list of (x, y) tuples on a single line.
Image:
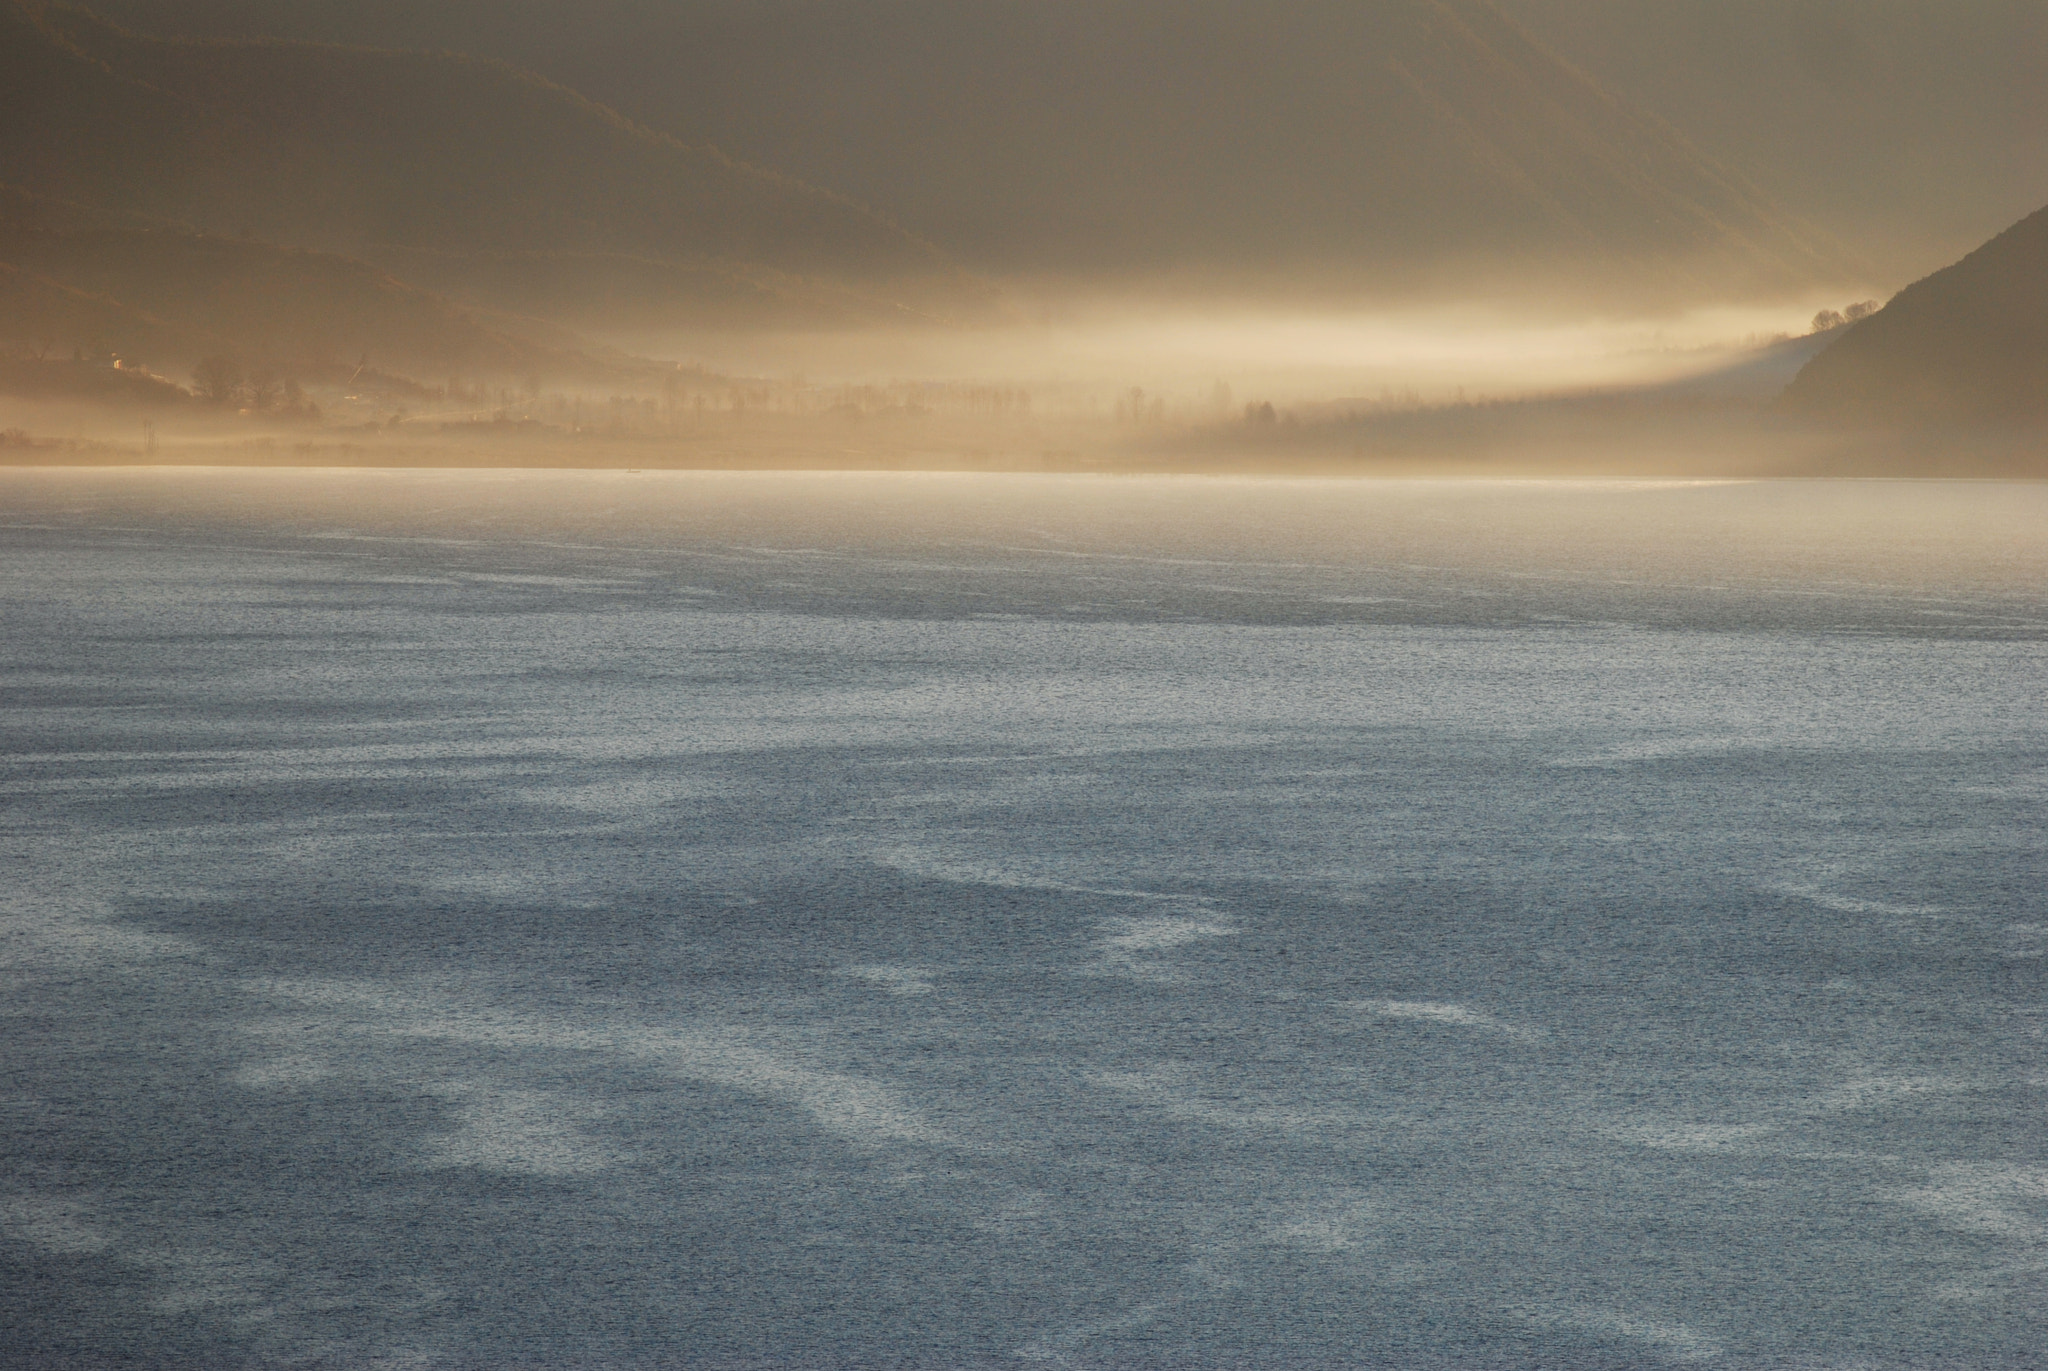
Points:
[(867, 921)]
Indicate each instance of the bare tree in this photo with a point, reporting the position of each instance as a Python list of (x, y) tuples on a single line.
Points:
[(216, 378)]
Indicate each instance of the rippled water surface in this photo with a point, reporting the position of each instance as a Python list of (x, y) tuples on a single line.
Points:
[(616, 919)]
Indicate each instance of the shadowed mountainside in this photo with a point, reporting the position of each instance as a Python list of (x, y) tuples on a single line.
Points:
[(1914, 128), (609, 290), (1065, 135), (168, 296), (40, 316), (352, 149), (1966, 345)]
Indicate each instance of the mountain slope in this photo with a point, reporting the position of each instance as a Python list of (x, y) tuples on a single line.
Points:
[(348, 148), (614, 290), (1069, 134), (167, 297), (1918, 127), (1967, 345), (39, 315)]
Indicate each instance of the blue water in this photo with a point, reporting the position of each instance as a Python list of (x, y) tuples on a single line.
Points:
[(602, 919)]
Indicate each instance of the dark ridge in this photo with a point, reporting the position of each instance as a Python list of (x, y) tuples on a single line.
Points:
[(1966, 345)]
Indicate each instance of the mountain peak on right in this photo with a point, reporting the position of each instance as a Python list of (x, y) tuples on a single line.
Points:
[(1967, 345)]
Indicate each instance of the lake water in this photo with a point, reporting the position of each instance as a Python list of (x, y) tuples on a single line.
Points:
[(609, 919)]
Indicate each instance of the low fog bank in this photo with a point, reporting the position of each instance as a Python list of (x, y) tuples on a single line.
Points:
[(1092, 385)]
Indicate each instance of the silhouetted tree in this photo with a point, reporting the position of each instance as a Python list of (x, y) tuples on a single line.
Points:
[(216, 378), (1830, 319)]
